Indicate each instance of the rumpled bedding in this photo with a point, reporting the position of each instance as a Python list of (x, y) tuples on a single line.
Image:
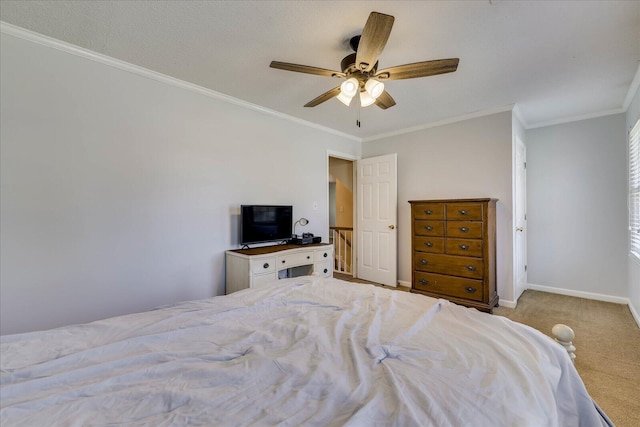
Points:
[(299, 352)]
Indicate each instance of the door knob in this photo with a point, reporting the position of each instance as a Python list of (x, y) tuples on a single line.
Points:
[(391, 227), (519, 228)]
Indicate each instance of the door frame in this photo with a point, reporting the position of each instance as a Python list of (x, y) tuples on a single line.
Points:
[(353, 159), (517, 290)]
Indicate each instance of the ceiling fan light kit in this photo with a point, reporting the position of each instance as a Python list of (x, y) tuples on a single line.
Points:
[(361, 68)]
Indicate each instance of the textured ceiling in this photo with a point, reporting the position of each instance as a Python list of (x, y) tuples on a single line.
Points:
[(556, 60)]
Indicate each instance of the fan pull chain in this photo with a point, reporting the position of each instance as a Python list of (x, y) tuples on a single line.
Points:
[(359, 108)]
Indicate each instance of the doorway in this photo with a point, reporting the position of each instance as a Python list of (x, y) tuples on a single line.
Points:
[(341, 213)]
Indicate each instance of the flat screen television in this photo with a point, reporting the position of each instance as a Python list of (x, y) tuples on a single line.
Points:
[(265, 223)]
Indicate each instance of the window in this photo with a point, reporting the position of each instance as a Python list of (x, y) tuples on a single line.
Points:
[(634, 190)]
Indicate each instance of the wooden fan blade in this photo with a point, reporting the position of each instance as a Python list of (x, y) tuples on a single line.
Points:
[(324, 97), (306, 69), (373, 40), (419, 69), (385, 101)]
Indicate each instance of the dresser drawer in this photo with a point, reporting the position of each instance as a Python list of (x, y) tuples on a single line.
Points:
[(429, 244), (449, 286), (428, 228), (428, 211), (264, 265), (464, 229), (464, 211), (292, 260), (463, 247), (449, 265), (323, 255), (323, 269)]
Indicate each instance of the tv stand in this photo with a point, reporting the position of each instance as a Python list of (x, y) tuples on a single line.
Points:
[(250, 268)]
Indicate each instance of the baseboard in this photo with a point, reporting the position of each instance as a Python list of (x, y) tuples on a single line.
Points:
[(507, 303), (635, 314), (579, 294), (404, 283)]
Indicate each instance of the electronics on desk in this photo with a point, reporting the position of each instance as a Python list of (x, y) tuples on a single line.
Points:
[(305, 239)]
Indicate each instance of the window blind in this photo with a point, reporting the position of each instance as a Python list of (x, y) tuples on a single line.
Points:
[(634, 190)]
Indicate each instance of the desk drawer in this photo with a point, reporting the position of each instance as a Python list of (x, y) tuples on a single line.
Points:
[(293, 260), (263, 265), (323, 255)]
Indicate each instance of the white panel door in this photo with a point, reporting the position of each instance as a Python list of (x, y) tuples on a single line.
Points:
[(521, 218), (376, 209)]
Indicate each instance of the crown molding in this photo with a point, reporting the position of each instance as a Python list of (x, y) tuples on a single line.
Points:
[(22, 33), (577, 118), (443, 122)]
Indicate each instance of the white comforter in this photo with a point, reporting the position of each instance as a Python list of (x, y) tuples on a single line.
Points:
[(305, 351)]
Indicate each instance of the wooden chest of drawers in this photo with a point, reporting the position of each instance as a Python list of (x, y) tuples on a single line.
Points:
[(454, 250)]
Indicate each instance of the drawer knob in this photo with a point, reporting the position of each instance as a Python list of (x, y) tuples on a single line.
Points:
[(325, 271), (464, 229), (463, 212), (428, 212), (308, 257), (470, 289), (423, 261), (428, 244), (326, 255), (424, 282), (265, 265), (471, 268), (463, 247), (428, 227), (283, 261)]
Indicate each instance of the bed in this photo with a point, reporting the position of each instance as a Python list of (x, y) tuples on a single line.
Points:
[(304, 351)]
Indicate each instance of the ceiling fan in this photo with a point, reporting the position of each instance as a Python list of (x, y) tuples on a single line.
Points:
[(360, 69)]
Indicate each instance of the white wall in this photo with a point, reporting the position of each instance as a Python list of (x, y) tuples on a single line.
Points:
[(576, 183), (633, 114), (466, 159), (120, 193)]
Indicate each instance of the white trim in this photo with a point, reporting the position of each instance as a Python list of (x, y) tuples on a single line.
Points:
[(635, 83), (404, 283), (579, 294), (31, 36), (507, 303), (518, 113), (577, 118), (634, 314), (442, 122)]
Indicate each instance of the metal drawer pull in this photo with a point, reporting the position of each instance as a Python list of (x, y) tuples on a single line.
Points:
[(428, 244), (424, 282), (326, 254), (265, 265), (470, 289), (428, 227), (463, 247), (471, 268), (428, 212), (283, 261), (308, 257), (464, 229), (423, 261), (463, 212), (325, 271)]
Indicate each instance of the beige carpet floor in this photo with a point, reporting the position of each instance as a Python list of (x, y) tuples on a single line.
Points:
[(607, 342)]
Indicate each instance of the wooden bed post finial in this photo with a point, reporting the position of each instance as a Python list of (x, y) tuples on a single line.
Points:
[(565, 335)]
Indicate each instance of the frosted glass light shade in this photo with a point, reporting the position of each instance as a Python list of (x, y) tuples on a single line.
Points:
[(366, 99), (346, 100), (350, 87), (374, 88)]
